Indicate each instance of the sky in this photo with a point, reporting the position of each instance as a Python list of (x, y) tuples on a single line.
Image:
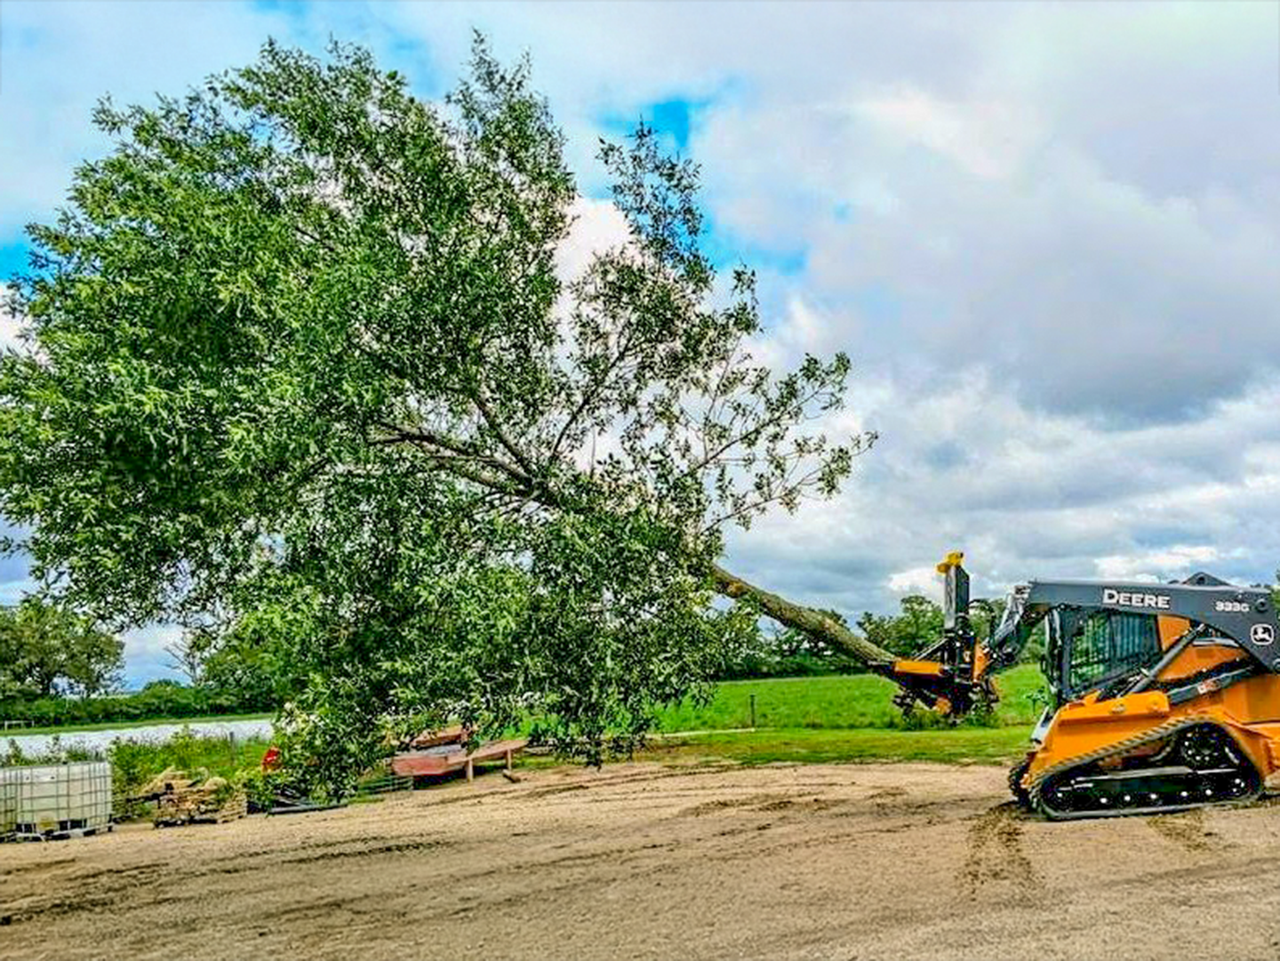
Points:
[(1046, 234)]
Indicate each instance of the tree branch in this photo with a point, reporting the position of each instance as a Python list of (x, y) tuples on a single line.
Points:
[(460, 448), (590, 393), (496, 426), (758, 429)]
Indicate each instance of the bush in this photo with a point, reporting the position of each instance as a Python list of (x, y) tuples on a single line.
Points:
[(133, 763), (159, 699)]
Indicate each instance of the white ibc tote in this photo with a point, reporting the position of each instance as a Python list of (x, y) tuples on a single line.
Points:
[(55, 799)]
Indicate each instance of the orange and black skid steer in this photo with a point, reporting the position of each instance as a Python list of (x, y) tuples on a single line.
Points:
[(1162, 696)]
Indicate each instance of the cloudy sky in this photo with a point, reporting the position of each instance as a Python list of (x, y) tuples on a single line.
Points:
[(1047, 234)]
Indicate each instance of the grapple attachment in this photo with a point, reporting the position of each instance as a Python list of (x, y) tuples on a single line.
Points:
[(948, 675)]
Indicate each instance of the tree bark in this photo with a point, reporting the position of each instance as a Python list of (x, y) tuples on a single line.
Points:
[(801, 618)]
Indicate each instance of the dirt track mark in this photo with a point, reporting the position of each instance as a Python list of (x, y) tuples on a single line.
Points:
[(129, 875), (551, 879), (887, 793), (556, 789), (1186, 830), (83, 892), (373, 850), (37, 868), (609, 783), (996, 865), (756, 802)]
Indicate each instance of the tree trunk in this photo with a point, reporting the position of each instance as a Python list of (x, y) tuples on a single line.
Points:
[(801, 618)]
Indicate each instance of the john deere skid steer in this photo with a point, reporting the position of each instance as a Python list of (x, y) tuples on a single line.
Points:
[(1162, 696)]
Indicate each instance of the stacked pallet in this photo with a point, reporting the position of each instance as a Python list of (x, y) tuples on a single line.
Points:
[(181, 799)]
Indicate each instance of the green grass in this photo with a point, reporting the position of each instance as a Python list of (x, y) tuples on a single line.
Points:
[(960, 745), (124, 725), (822, 703)]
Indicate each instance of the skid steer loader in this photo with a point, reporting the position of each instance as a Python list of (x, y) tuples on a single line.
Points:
[(1162, 696)]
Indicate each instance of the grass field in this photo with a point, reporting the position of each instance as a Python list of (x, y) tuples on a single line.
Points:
[(829, 719), (856, 701), (822, 703)]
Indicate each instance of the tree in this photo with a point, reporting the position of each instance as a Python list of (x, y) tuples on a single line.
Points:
[(905, 633), (302, 369), (238, 663), (187, 654), (789, 653), (47, 650)]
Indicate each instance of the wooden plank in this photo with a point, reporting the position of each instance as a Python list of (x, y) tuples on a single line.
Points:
[(448, 735), (419, 765)]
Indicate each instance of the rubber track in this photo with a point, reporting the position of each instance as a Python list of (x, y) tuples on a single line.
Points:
[(1172, 726)]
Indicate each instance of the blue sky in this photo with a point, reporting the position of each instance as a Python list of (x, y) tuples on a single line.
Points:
[(1047, 235)]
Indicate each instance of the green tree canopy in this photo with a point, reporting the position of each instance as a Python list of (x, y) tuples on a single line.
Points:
[(302, 374), (47, 650)]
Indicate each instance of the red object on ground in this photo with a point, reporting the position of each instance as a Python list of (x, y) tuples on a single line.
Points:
[(271, 760)]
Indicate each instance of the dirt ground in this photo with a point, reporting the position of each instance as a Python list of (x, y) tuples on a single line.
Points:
[(644, 861)]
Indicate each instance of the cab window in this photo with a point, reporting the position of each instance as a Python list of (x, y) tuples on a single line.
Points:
[(1106, 644)]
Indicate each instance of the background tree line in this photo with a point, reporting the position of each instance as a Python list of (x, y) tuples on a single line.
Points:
[(58, 667), (46, 651)]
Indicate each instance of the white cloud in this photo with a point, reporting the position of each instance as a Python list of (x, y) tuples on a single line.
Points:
[(146, 653), (57, 61), (1080, 292), (989, 139), (917, 580), (965, 465), (598, 225), (9, 326), (1158, 565)]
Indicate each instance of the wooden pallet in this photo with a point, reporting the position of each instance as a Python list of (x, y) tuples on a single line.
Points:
[(184, 801)]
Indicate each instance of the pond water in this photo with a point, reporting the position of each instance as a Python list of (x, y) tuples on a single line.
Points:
[(154, 733)]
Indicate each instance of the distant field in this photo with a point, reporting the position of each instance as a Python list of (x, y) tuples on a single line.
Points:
[(859, 701), (856, 701)]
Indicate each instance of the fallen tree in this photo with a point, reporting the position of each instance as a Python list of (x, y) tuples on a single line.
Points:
[(813, 622), (303, 376)]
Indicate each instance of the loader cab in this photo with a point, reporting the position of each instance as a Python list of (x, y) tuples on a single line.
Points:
[(1086, 649)]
